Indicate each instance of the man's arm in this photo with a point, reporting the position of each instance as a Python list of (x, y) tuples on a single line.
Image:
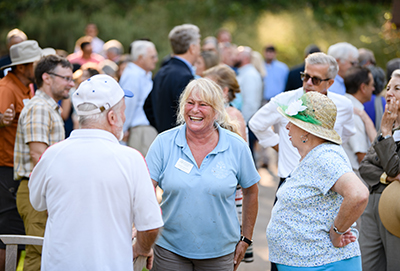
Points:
[(7, 117), (36, 149), (369, 125), (142, 247)]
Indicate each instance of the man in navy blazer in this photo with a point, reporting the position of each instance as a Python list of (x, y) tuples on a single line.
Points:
[(162, 104)]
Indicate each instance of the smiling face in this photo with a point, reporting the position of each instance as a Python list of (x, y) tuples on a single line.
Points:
[(60, 86), (199, 116)]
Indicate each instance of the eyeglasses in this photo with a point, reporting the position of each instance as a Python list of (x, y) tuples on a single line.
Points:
[(66, 78), (353, 63), (315, 80)]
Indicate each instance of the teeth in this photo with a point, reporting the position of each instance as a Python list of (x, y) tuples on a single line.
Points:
[(196, 119)]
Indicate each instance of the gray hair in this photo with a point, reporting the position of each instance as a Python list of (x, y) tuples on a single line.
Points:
[(182, 36), (323, 59), (98, 119), (366, 55), (343, 50), (139, 48), (396, 73)]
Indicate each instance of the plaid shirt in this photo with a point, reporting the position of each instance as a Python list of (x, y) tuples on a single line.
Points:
[(40, 121)]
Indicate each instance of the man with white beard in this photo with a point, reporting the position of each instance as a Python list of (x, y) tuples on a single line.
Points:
[(95, 189)]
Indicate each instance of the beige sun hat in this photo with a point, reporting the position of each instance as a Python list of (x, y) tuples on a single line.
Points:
[(389, 208), (26, 52), (314, 113)]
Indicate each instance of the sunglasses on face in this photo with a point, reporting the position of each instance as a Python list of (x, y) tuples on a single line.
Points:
[(315, 80)]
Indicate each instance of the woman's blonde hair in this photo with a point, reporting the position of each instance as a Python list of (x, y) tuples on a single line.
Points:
[(209, 92), (225, 77)]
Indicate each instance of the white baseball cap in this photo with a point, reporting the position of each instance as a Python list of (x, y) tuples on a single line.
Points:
[(101, 90)]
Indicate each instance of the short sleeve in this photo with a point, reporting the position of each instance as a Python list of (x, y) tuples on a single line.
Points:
[(329, 166), (154, 159), (37, 124), (247, 174)]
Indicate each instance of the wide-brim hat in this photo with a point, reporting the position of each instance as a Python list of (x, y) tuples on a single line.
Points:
[(318, 118), (26, 52), (100, 90), (389, 208)]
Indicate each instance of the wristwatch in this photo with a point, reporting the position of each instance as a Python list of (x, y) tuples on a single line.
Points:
[(338, 232), (244, 239), (380, 137)]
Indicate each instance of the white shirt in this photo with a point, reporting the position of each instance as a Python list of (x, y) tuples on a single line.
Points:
[(288, 156), (251, 87), (94, 189), (360, 141), (137, 80)]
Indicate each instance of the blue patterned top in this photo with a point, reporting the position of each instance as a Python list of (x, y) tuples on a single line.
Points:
[(298, 232)]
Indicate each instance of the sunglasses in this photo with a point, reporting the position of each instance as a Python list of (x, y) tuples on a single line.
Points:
[(315, 80)]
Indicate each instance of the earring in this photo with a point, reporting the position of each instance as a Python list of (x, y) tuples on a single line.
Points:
[(305, 138)]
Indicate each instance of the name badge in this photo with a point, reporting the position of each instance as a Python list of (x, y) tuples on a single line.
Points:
[(183, 165)]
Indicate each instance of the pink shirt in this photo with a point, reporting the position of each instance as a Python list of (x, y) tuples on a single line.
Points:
[(76, 58)]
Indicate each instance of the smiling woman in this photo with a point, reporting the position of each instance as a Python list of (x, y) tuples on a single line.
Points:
[(198, 165)]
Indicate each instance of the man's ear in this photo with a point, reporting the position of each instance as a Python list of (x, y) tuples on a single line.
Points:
[(330, 82), (46, 78), (112, 117)]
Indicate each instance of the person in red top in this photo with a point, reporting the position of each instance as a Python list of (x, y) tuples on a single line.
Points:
[(86, 54), (14, 92)]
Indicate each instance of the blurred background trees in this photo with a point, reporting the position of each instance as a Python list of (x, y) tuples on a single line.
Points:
[(288, 24)]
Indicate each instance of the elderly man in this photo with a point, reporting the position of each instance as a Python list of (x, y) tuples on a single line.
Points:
[(359, 87), (94, 189), (172, 78), (319, 73), (136, 77), (39, 126), (14, 93), (346, 56)]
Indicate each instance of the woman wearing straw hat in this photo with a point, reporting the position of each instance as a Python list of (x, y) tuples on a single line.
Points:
[(380, 225), (310, 226)]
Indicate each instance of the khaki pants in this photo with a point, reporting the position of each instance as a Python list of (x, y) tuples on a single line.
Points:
[(141, 137), (34, 222)]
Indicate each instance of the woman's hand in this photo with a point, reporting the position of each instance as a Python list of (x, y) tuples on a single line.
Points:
[(389, 116), (341, 240)]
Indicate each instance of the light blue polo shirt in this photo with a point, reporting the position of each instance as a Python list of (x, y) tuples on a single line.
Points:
[(198, 204)]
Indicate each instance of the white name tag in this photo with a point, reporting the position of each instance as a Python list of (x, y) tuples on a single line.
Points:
[(183, 165)]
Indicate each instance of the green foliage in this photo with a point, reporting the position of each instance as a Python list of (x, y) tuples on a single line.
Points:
[(290, 25)]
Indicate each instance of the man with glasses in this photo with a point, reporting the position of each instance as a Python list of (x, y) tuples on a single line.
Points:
[(319, 73), (39, 126), (346, 56)]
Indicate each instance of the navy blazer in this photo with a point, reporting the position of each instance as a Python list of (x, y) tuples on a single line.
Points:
[(163, 101)]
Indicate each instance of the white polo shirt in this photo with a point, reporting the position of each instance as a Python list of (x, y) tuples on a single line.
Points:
[(288, 156), (94, 189)]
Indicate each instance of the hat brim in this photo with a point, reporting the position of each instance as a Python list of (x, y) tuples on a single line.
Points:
[(26, 61), (389, 208), (319, 131), (128, 93)]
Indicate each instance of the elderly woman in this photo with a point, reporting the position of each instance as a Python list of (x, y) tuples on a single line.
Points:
[(225, 77), (381, 166), (317, 204), (198, 166)]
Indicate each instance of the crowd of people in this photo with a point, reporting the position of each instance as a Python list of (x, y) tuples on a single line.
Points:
[(193, 130)]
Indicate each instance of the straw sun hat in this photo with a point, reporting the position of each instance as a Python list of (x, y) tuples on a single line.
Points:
[(389, 208), (314, 113)]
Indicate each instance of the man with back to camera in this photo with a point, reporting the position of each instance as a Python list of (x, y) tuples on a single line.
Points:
[(138, 132), (40, 125), (172, 78), (319, 73), (94, 189)]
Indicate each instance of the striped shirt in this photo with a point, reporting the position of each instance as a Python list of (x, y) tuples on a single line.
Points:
[(40, 121)]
